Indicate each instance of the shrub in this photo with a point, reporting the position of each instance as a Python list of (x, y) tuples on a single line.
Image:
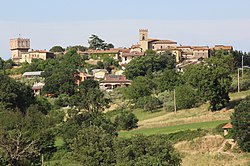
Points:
[(148, 103), (186, 97), (241, 124), (126, 121)]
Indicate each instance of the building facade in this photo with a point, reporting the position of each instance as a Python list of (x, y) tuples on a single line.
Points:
[(18, 46)]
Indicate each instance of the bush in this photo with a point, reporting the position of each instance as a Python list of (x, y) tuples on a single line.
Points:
[(148, 103), (126, 121), (141, 150), (186, 97), (241, 124)]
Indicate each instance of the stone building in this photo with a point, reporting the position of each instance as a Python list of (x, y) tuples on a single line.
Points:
[(37, 54), (18, 46), (154, 44)]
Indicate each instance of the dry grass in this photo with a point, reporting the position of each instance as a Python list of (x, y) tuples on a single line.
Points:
[(188, 116), (204, 151)]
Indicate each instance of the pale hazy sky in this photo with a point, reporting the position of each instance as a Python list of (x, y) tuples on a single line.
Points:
[(71, 22)]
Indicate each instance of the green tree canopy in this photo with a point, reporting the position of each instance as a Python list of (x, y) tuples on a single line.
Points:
[(212, 80), (140, 87), (25, 137), (96, 43), (149, 64), (15, 95), (57, 49), (241, 124)]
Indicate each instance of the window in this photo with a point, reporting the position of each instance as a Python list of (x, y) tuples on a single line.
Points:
[(126, 59), (143, 37)]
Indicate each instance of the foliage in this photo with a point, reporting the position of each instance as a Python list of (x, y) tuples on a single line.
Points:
[(57, 49), (186, 97), (149, 64), (148, 103), (96, 43), (61, 81), (15, 95), (140, 87), (212, 80), (140, 150), (167, 80), (126, 121), (241, 124), (77, 48), (93, 146), (89, 97), (25, 137)]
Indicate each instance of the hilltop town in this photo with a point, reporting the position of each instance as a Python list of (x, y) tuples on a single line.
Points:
[(155, 103)]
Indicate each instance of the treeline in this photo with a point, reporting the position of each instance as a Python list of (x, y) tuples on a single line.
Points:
[(29, 127)]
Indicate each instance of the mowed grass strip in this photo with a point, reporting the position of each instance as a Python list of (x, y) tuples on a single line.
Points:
[(172, 129)]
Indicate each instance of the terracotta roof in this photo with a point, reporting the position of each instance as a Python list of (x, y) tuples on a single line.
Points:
[(115, 78), (228, 126), (200, 47), (133, 53), (136, 46), (222, 47), (184, 47), (39, 51), (164, 42)]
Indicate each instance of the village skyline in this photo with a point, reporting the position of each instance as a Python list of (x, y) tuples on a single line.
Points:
[(66, 23)]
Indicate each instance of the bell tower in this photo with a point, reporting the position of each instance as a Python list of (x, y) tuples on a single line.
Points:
[(17, 47), (143, 39)]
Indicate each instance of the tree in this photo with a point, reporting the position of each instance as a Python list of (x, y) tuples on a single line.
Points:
[(241, 124), (142, 65), (91, 100), (212, 80), (25, 137), (61, 81), (140, 87), (77, 48), (140, 150), (186, 97), (126, 121), (148, 103), (93, 146), (167, 80), (57, 49), (95, 42), (15, 95)]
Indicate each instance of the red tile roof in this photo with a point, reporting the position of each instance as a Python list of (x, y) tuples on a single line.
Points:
[(228, 126)]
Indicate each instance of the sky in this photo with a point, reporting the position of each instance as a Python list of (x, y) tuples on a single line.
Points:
[(71, 22)]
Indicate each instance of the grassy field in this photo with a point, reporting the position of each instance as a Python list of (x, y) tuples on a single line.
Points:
[(163, 122), (172, 129)]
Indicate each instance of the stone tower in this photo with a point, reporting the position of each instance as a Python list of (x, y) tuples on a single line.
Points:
[(143, 39), (17, 47)]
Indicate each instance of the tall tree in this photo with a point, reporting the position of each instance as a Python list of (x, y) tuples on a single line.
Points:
[(57, 49), (212, 79), (241, 124), (25, 137), (15, 95), (95, 42), (148, 64)]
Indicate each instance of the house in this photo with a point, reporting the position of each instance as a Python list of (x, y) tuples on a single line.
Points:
[(222, 47), (99, 74), (227, 128), (81, 76), (37, 54), (37, 88), (154, 44), (32, 74), (127, 57), (111, 82)]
